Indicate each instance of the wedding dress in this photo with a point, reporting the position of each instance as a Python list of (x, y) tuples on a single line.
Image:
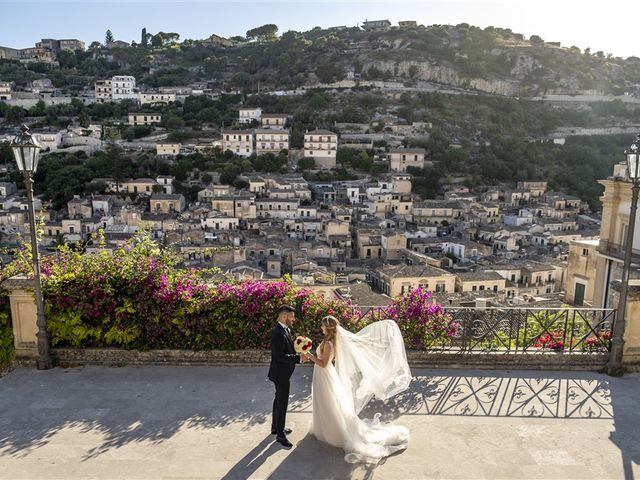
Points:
[(369, 363)]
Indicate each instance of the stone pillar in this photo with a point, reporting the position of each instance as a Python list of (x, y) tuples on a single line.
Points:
[(23, 316), (631, 351)]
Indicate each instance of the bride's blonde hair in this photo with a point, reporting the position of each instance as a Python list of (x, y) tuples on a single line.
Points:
[(331, 324)]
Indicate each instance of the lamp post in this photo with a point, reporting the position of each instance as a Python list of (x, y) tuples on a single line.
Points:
[(27, 152), (614, 365)]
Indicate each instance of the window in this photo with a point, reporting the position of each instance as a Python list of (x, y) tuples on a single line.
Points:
[(481, 288), (474, 288), (585, 252), (440, 287)]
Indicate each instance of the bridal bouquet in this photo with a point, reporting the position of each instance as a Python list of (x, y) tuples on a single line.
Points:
[(302, 344)]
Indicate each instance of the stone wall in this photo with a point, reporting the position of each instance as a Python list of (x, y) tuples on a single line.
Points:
[(117, 357), (69, 357)]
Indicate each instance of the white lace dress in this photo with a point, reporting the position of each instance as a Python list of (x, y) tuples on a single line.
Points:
[(336, 423)]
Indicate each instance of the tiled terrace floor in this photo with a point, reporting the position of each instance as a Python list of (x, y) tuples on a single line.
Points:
[(213, 422)]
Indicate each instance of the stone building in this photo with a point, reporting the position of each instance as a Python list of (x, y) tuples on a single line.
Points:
[(322, 146), (396, 280), (581, 272)]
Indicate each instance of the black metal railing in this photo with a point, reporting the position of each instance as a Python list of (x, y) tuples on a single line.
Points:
[(616, 250), (516, 330)]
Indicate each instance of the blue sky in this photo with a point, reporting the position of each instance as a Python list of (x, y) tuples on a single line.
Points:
[(606, 26)]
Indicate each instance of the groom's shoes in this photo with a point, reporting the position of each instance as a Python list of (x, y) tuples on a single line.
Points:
[(286, 431), (284, 442)]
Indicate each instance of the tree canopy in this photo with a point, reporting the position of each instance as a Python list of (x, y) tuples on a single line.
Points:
[(108, 38), (265, 32)]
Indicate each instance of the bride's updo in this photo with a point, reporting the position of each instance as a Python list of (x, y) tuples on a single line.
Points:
[(330, 323)]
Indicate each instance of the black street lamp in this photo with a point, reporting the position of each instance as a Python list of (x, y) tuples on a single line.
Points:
[(27, 152), (614, 365)]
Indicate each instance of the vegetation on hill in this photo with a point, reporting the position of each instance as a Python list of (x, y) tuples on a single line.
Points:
[(452, 55), (495, 136), (573, 167)]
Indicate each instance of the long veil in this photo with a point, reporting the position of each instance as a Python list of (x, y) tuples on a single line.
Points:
[(372, 362)]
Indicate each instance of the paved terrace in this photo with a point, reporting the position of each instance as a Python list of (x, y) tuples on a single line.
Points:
[(170, 422)]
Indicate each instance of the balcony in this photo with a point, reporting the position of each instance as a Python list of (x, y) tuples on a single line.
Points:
[(616, 251)]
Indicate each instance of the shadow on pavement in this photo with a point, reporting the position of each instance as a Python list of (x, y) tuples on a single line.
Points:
[(253, 460), (313, 459), (131, 404), (567, 395)]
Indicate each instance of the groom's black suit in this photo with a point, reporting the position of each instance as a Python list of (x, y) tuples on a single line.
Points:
[(283, 363)]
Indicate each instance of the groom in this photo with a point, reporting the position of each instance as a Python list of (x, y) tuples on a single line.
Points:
[(283, 362)]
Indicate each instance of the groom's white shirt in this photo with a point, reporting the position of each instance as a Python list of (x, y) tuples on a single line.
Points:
[(286, 329)]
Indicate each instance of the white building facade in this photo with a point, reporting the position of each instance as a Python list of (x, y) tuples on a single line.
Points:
[(249, 114), (122, 87), (322, 146), (239, 142), (271, 141)]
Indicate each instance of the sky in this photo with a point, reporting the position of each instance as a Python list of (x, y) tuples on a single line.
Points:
[(608, 26)]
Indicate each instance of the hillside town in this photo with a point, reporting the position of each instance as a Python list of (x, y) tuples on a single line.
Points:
[(369, 239)]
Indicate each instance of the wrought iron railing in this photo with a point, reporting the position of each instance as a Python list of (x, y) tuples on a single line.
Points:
[(517, 330), (617, 250)]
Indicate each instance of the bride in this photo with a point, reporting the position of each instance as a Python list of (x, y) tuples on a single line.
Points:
[(369, 363)]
